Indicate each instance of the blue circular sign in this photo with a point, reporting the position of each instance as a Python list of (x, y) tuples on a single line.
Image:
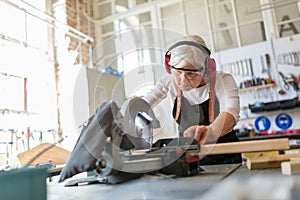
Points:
[(284, 121), (262, 123)]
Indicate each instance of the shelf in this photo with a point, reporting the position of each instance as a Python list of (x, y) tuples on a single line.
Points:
[(269, 113), (257, 87)]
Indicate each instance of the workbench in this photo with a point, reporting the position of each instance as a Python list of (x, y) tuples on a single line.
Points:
[(230, 181)]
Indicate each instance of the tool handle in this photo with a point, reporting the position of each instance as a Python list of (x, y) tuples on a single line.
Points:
[(268, 61), (286, 84), (251, 67)]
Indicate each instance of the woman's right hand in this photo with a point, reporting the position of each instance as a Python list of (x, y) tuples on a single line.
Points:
[(199, 133)]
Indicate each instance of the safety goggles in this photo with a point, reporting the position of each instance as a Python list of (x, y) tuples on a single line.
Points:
[(189, 74)]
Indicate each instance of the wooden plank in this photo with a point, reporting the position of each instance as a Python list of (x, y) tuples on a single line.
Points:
[(269, 161), (256, 87), (291, 167), (260, 154), (245, 146), (56, 169), (295, 159), (55, 155)]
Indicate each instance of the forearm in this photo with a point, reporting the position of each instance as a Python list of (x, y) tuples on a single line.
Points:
[(222, 125), (157, 94)]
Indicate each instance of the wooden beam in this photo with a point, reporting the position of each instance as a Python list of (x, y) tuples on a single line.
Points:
[(291, 167), (245, 146), (269, 161), (55, 155), (242, 147)]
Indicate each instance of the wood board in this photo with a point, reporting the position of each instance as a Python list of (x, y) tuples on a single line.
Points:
[(245, 146), (291, 167), (269, 161), (56, 155)]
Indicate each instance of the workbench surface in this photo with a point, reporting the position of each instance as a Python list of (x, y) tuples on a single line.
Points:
[(234, 181)]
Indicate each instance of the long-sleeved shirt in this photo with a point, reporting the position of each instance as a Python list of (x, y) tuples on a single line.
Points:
[(226, 91)]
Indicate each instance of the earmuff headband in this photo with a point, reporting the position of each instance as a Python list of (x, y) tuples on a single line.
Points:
[(191, 43)]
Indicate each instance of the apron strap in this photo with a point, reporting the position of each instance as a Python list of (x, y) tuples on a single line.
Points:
[(178, 104), (211, 103)]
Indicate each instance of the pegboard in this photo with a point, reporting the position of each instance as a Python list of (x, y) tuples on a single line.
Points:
[(234, 61)]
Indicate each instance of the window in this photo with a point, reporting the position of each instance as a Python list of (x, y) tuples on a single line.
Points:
[(250, 25), (15, 30), (252, 33), (20, 27), (122, 3), (14, 96), (195, 9), (107, 28), (139, 2), (232, 26), (172, 18), (287, 17), (104, 9), (224, 24)]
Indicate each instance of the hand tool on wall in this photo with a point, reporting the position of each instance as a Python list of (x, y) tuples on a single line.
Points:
[(237, 63), (262, 60), (290, 58), (284, 79), (252, 72), (298, 58), (242, 70), (28, 135), (287, 59), (281, 91), (268, 61), (253, 79), (295, 58), (236, 68), (23, 140), (292, 81), (231, 68), (269, 79), (246, 67), (232, 65), (295, 83)]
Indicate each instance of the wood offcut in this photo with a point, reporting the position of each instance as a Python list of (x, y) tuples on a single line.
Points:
[(265, 162)]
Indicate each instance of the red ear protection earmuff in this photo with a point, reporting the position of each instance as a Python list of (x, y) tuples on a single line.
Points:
[(211, 68), (210, 65), (167, 59)]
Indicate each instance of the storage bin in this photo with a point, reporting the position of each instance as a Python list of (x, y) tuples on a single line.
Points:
[(287, 104), (257, 107), (23, 184), (274, 105)]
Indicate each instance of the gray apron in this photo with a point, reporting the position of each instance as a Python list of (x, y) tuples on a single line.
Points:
[(198, 115)]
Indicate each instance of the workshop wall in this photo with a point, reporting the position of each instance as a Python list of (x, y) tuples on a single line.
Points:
[(19, 111), (238, 62)]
